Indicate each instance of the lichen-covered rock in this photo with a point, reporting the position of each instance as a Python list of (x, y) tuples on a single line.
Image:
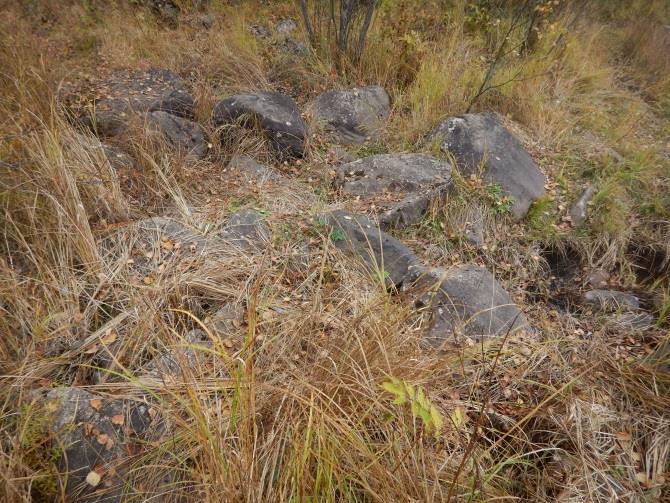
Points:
[(187, 136), (246, 230), (353, 115), (467, 300), (481, 140), (126, 93), (275, 113), (93, 433), (384, 255), (401, 186)]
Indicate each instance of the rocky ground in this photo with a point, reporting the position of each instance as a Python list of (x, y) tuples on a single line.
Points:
[(214, 290)]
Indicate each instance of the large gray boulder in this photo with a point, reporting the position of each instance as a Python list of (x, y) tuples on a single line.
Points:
[(126, 93), (186, 136), (92, 432), (275, 113), (381, 252), (469, 300), (401, 186), (353, 115), (481, 140)]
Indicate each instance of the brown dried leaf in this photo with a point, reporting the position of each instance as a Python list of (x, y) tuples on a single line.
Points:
[(109, 337), (118, 419), (103, 438), (95, 403)]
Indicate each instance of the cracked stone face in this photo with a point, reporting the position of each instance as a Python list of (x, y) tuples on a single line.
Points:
[(481, 141), (353, 115), (400, 186)]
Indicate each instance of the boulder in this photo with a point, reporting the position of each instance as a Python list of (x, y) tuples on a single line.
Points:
[(246, 230), (187, 136), (93, 433), (275, 113), (129, 92), (611, 300), (481, 140), (401, 186), (385, 255), (353, 115), (467, 299)]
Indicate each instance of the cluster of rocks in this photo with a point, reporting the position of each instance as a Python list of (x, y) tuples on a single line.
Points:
[(381, 192)]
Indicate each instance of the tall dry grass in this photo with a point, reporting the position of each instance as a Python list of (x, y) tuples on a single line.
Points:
[(293, 410)]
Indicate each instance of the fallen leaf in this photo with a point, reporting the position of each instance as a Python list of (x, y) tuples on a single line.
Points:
[(641, 477), (118, 419), (109, 444), (623, 436), (93, 478), (148, 280), (109, 337), (91, 350), (95, 403), (102, 438)]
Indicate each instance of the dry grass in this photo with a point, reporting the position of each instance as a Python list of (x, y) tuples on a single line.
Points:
[(293, 409)]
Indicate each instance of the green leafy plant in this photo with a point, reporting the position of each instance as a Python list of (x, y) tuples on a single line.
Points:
[(500, 203), (419, 403), (337, 235)]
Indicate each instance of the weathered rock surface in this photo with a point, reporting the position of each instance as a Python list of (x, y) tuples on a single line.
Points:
[(633, 320), (400, 185), (286, 26), (129, 92), (385, 255), (579, 210), (352, 115), (612, 300), (246, 230), (275, 113), (176, 362), (481, 139), (252, 170), (94, 432), (468, 300), (187, 136)]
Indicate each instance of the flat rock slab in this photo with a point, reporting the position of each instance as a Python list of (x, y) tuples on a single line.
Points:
[(186, 136), (468, 300), (381, 252), (401, 186), (275, 113), (247, 231), (481, 140), (353, 115), (612, 300), (128, 92), (93, 432)]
